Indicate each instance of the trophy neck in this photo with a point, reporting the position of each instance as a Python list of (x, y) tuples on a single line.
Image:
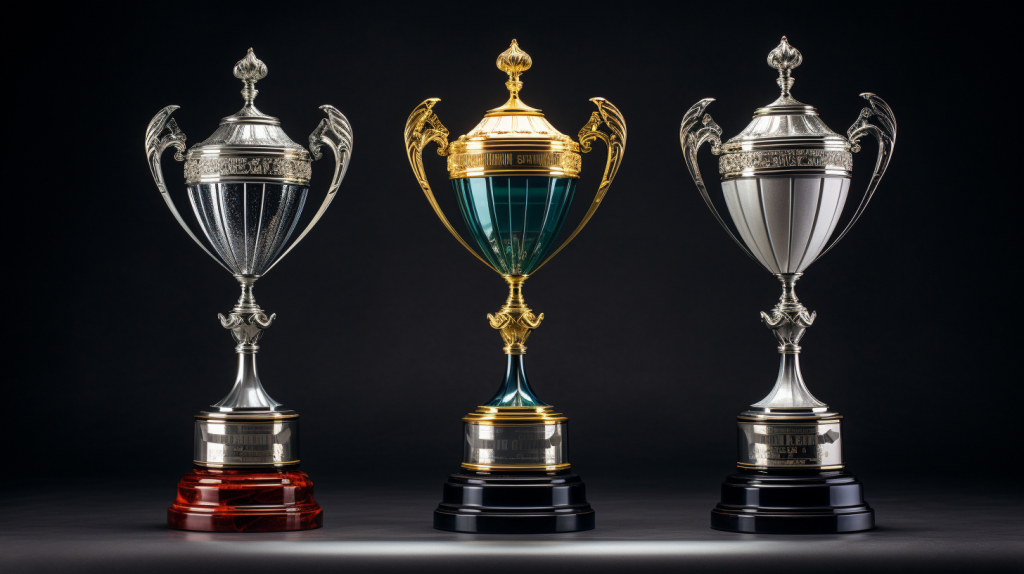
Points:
[(246, 301)]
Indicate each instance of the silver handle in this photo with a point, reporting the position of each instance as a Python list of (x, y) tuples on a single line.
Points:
[(157, 141), (335, 132), (885, 133), (691, 139)]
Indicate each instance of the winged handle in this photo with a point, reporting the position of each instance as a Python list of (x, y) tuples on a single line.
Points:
[(335, 132), (161, 134), (691, 137), (421, 128), (610, 116), (885, 133)]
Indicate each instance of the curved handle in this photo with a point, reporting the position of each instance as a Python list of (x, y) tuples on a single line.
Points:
[(610, 116), (335, 132), (691, 139), (156, 143), (417, 135), (885, 133)]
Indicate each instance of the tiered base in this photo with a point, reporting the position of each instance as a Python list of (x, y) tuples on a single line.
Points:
[(249, 500), (792, 503), (514, 503)]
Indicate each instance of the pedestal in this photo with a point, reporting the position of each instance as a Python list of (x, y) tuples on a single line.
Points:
[(245, 500), (794, 502), (514, 503)]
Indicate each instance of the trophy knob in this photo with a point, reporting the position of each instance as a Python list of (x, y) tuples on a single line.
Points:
[(784, 58), (250, 70), (514, 62)]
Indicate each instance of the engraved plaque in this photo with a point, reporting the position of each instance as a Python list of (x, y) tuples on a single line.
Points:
[(789, 445), (516, 445), (244, 443)]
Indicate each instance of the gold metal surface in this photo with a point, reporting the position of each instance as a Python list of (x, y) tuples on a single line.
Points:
[(515, 416), (515, 320), (506, 467), (238, 464)]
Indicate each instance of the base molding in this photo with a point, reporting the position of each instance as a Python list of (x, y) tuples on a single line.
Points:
[(793, 502), (245, 500), (514, 503)]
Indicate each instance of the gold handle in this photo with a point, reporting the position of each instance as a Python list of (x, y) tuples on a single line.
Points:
[(610, 116), (417, 135)]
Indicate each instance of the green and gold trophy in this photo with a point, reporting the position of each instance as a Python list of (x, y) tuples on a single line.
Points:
[(514, 176)]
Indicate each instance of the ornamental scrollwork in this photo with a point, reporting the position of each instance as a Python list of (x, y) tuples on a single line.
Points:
[(298, 169)]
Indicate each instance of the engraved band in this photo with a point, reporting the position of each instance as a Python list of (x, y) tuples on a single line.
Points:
[(817, 161), (295, 171)]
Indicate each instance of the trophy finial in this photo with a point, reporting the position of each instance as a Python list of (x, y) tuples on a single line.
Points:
[(784, 58), (250, 70), (514, 62)]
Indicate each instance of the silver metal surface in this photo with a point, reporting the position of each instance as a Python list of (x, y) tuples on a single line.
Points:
[(246, 441), (785, 181), (519, 444), (247, 184), (789, 444)]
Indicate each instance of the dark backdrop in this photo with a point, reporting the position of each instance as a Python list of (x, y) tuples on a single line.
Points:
[(651, 343)]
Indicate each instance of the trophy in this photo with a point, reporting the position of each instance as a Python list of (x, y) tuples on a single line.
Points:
[(785, 180), (514, 176), (247, 184)]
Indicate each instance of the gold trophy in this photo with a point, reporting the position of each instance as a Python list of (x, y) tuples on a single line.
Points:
[(514, 176)]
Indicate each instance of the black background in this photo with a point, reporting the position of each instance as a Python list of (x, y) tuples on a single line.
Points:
[(651, 343)]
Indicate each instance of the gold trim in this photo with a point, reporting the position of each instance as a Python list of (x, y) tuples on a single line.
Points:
[(231, 416), (515, 416), (515, 320), (236, 464), (789, 420), (489, 467), (789, 466)]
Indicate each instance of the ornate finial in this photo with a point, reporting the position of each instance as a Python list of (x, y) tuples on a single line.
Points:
[(784, 58), (514, 62), (250, 70)]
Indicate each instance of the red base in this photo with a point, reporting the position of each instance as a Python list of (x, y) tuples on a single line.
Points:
[(215, 500)]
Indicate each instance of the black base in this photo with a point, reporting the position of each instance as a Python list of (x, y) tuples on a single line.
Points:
[(794, 502), (514, 503)]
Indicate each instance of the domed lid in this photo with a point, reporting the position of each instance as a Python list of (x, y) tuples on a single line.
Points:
[(786, 137), (514, 139), (249, 146)]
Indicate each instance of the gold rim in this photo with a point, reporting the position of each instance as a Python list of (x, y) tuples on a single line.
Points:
[(515, 416), (499, 467), (237, 464), (745, 466)]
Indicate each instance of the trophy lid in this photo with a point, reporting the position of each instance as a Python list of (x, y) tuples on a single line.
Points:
[(249, 146), (786, 137), (514, 138)]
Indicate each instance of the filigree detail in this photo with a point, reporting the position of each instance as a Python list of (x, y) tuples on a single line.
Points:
[(736, 162), (789, 318), (246, 328), (514, 62), (296, 169), (515, 327), (423, 127), (615, 138), (250, 70)]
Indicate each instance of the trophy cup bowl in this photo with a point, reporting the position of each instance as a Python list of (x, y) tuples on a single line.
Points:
[(785, 181), (514, 176), (247, 184)]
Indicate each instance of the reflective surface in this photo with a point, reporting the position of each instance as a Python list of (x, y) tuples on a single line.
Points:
[(515, 389), (515, 220), (516, 445), (247, 223)]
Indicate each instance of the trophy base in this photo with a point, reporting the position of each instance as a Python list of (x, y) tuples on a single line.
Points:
[(245, 500), (794, 502), (514, 503)]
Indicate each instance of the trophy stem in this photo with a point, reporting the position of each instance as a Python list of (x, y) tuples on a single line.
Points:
[(515, 320), (788, 322), (246, 323)]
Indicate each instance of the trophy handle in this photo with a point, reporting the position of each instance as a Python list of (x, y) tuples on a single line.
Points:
[(691, 139), (610, 116), (885, 133), (335, 132), (156, 143), (416, 138)]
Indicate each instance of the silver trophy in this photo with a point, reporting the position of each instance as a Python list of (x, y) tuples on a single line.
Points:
[(785, 180), (247, 184)]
